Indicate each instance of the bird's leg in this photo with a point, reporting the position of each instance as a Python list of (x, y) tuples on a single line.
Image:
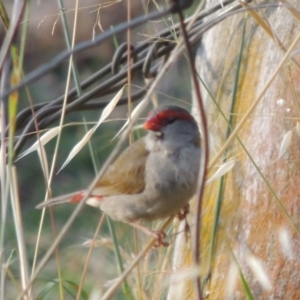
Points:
[(182, 215), (183, 212), (160, 235), (187, 230)]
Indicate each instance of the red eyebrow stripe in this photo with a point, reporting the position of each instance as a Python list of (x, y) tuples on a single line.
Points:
[(166, 114), (156, 120)]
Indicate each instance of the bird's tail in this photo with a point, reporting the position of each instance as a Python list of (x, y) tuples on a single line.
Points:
[(67, 198)]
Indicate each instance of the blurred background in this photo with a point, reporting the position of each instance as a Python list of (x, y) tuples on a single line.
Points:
[(248, 65)]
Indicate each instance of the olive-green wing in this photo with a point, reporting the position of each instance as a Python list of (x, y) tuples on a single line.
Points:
[(127, 174)]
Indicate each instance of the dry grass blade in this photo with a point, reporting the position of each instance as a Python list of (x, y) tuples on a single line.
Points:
[(259, 272), (136, 111), (106, 112), (78, 147), (45, 138), (285, 144), (286, 242), (44, 162), (17, 214), (232, 279), (110, 106), (225, 168), (17, 13)]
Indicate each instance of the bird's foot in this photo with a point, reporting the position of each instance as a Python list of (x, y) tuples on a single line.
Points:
[(160, 236), (183, 212), (182, 215)]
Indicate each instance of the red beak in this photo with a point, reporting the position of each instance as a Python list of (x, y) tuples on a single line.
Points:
[(152, 124)]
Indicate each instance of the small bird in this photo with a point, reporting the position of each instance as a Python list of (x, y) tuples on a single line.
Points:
[(153, 178)]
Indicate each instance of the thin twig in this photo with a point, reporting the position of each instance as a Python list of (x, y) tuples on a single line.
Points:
[(141, 255), (204, 156), (101, 221)]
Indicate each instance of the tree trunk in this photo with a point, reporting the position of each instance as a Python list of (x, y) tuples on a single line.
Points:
[(255, 251)]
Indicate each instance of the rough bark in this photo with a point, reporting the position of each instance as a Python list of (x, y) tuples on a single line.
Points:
[(253, 230)]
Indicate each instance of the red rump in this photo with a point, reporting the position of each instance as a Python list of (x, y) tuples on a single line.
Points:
[(78, 197)]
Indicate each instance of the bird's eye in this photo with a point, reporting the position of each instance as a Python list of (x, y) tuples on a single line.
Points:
[(171, 120)]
